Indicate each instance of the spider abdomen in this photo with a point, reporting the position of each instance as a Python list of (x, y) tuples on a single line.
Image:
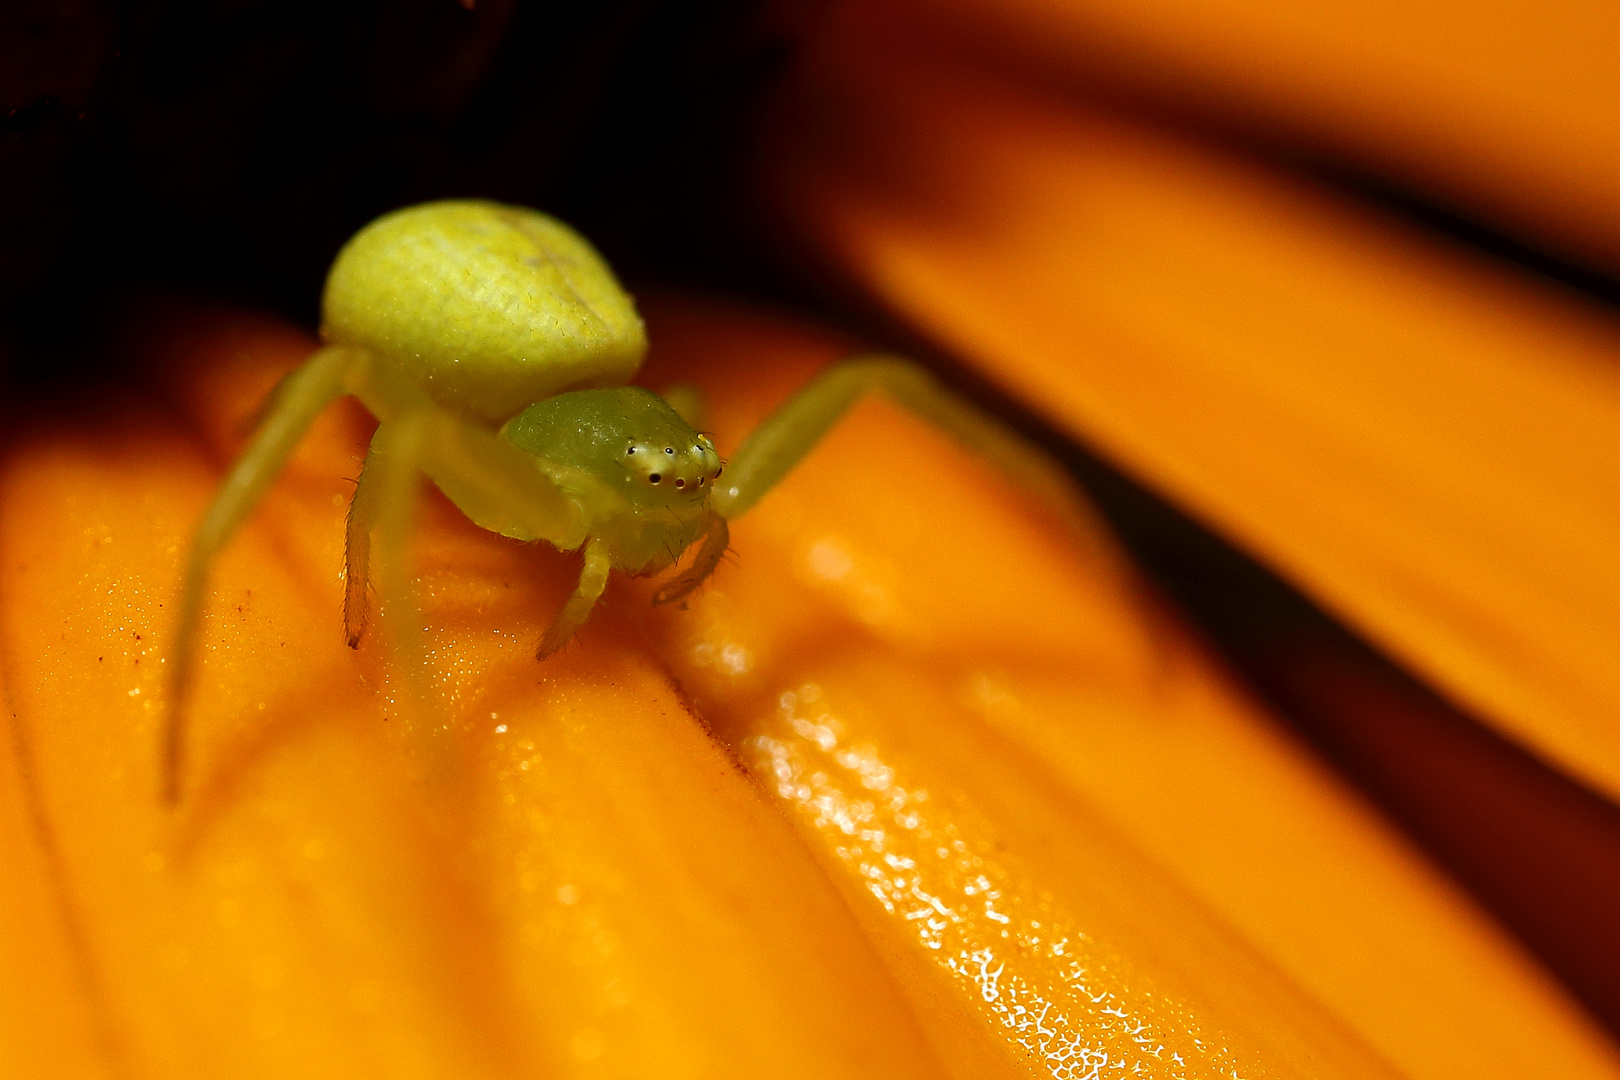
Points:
[(487, 307)]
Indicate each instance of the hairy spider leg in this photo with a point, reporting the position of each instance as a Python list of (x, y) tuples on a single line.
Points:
[(772, 450), (391, 496), (357, 550), (499, 487), (592, 580), (322, 379), (492, 481), (715, 541)]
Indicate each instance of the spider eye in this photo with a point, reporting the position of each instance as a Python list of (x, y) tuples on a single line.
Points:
[(718, 471), (669, 450), (653, 478), (630, 451), (679, 482)]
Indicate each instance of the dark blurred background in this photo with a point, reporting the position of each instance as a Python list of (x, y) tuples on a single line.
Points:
[(230, 146)]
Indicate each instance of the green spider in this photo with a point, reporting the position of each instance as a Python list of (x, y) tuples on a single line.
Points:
[(493, 345)]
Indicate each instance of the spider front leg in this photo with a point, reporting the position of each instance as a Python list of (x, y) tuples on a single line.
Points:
[(497, 486), (592, 580), (293, 406), (357, 552), (772, 450), (715, 541), (385, 500)]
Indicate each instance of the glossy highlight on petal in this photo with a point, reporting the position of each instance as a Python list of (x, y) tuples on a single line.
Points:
[(1066, 999)]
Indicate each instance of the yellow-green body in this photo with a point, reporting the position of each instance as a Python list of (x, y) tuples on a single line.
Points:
[(639, 465), (487, 307)]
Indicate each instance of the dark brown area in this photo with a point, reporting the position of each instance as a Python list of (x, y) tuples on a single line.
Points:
[(229, 147), (1534, 845)]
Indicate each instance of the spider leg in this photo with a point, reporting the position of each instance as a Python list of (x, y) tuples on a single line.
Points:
[(782, 440), (357, 553), (394, 465), (498, 486), (687, 400), (715, 542), (301, 397), (592, 580)]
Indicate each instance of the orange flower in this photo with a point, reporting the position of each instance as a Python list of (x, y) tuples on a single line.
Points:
[(921, 786)]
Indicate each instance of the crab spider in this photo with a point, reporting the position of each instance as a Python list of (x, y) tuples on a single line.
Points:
[(493, 345)]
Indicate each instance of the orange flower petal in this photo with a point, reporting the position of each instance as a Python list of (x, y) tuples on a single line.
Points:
[(597, 889), (1028, 700), (905, 588), (1508, 108), (1423, 443)]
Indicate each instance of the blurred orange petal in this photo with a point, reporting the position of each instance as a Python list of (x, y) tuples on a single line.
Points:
[(1421, 441), (1507, 108)]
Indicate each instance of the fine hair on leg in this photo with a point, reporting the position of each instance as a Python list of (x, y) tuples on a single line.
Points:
[(716, 539), (361, 520), (592, 580)]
